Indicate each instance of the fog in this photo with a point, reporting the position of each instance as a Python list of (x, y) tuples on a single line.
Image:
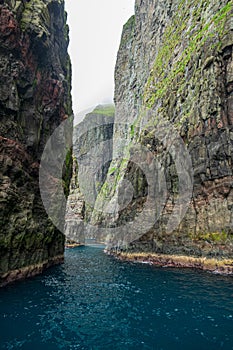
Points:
[(95, 32)]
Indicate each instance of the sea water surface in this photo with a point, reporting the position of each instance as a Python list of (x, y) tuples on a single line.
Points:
[(96, 302)]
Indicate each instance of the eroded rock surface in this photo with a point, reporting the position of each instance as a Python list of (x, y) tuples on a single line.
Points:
[(173, 77), (35, 83), (176, 59), (92, 151)]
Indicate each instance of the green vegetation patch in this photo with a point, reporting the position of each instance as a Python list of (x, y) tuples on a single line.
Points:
[(128, 31), (130, 23), (212, 237), (36, 17), (167, 66), (106, 110)]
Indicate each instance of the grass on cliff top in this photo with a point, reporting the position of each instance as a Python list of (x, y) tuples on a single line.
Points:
[(107, 110)]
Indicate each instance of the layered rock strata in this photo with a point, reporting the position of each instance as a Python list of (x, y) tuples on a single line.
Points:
[(35, 98), (173, 134), (92, 151), (175, 60)]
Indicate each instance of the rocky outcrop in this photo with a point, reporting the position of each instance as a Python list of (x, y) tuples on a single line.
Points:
[(35, 76), (173, 134)]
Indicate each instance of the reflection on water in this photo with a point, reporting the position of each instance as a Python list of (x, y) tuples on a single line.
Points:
[(96, 302)]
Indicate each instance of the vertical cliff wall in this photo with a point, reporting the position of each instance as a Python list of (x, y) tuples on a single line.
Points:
[(35, 83), (92, 151), (175, 61)]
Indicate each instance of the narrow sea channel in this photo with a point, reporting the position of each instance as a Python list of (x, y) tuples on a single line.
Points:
[(96, 302)]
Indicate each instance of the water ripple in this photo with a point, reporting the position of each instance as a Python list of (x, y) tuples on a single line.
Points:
[(96, 302)]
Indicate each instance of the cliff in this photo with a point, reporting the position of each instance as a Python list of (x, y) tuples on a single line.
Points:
[(35, 76), (175, 60), (169, 186), (92, 152)]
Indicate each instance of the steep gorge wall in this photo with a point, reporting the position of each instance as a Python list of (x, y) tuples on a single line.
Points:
[(92, 152), (35, 76), (175, 59)]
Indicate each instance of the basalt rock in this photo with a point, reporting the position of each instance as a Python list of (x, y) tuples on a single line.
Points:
[(92, 151), (174, 128), (35, 83)]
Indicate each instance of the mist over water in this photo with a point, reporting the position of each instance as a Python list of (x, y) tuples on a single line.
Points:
[(96, 302)]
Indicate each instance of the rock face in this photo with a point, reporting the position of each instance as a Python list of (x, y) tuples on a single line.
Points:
[(92, 150), (75, 211), (173, 95), (35, 76)]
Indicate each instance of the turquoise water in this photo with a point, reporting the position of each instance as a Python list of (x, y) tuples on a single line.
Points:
[(96, 302)]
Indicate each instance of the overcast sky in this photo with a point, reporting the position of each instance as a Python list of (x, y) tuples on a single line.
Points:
[(95, 32)]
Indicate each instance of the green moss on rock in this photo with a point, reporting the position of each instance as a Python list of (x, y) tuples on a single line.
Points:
[(36, 18), (189, 29)]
